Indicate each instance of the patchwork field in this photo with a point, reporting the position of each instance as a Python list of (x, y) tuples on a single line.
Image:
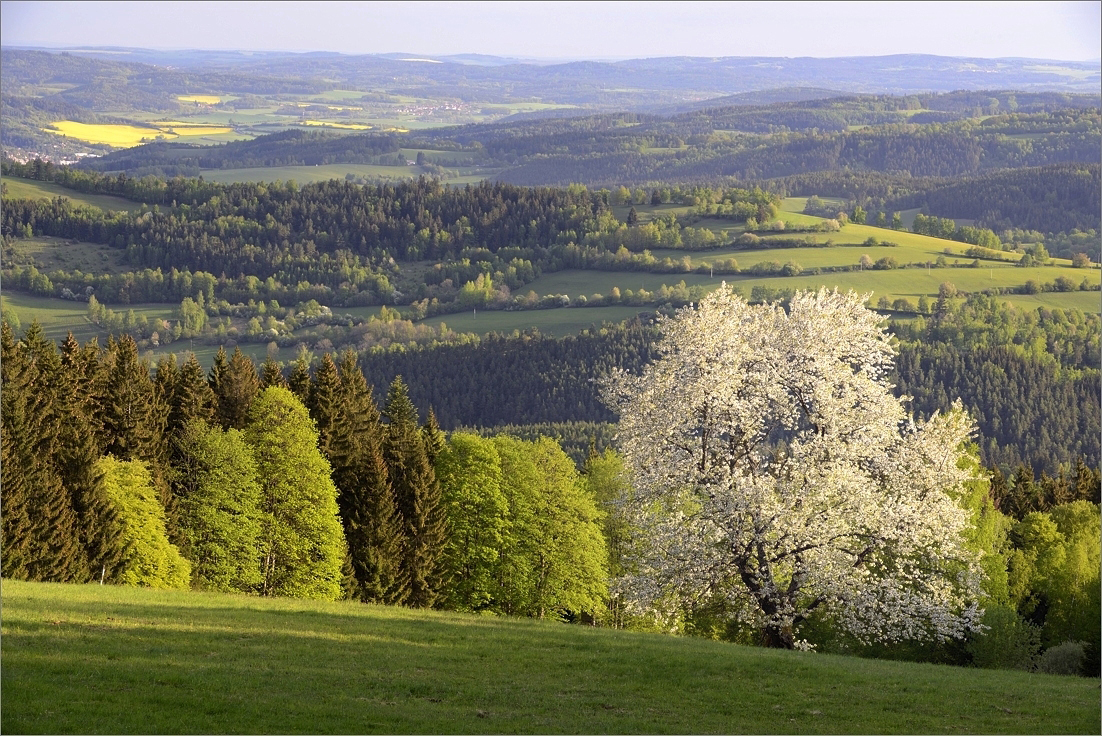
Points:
[(96, 659)]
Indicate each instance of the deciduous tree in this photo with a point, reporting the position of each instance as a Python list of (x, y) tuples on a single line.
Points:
[(772, 464)]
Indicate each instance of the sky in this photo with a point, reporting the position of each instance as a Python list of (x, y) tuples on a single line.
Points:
[(1070, 31)]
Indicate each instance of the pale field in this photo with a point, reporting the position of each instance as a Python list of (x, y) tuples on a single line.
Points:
[(342, 126)]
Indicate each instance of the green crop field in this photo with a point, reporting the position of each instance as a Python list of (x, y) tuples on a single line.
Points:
[(48, 253), (308, 174), (106, 659), (910, 282), (556, 322), (29, 189)]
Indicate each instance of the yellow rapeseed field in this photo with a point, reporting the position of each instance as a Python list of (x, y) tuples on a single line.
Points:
[(122, 136), (126, 136), (205, 99)]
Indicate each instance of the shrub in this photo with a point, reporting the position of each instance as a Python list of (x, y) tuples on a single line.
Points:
[(1063, 659)]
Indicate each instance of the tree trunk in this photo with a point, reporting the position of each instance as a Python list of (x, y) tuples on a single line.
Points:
[(778, 636)]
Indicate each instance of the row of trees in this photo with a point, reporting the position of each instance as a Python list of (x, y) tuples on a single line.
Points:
[(280, 485)]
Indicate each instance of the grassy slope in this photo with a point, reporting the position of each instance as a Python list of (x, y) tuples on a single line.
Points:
[(308, 174), (59, 316), (48, 254), (30, 189), (94, 659)]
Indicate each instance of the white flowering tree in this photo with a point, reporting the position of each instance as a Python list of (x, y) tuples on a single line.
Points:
[(772, 465)]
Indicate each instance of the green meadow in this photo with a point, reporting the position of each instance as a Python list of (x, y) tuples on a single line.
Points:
[(58, 317), (324, 172), (29, 189), (106, 659), (556, 322)]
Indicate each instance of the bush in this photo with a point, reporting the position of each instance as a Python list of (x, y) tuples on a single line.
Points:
[(1009, 643), (1064, 659)]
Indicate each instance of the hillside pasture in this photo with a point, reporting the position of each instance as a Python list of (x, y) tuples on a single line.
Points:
[(17, 188), (47, 253), (107, 659)]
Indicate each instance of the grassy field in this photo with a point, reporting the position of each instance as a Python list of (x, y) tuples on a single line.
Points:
[(325, 172), (105, 659), (29, 189), (60, 316), (48, 253), (556, 322)]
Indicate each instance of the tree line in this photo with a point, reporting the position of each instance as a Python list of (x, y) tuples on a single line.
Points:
[(280, 484)]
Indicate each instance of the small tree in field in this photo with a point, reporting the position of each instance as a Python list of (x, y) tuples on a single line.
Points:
[(773, 466)]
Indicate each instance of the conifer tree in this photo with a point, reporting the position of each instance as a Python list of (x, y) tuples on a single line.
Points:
[(61, 555), (299, 380), (193, 398), (433, 437), (131, 423), (271, 374), (418, 498), (235, 385), (100, 528), (372, 525), (323, 402), (32, 493)]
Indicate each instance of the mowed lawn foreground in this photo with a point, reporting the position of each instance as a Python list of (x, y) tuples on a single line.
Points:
[(105, 659)]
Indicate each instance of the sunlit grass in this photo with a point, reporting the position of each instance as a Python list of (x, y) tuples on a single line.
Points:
[(204, 99), (92, 659), (126, 136)]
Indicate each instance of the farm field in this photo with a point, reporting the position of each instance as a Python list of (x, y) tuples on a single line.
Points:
[(325, 172), (908, 283), (48, 254), (60, 316), (93, 659), (29, 189), (126, 136), (556, 322)]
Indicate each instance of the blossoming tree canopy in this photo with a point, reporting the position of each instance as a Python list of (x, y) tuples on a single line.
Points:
[(773, 465)]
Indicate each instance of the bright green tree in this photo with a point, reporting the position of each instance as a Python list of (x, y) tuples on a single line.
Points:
[(301, 541), (151, 561), (555, 556), (469, 471), (218, 499)]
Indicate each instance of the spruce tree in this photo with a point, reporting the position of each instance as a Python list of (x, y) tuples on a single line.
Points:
[(323, 402), (434, 438), (299, 380), (372, 525), (41, 537), (100, 528), (418, 498), (193, 398), (271, 374), (235, 386)]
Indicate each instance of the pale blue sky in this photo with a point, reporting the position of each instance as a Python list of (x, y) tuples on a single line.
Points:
[(593, 30)]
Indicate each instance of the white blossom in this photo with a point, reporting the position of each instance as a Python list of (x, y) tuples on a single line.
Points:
[(773, 465)]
